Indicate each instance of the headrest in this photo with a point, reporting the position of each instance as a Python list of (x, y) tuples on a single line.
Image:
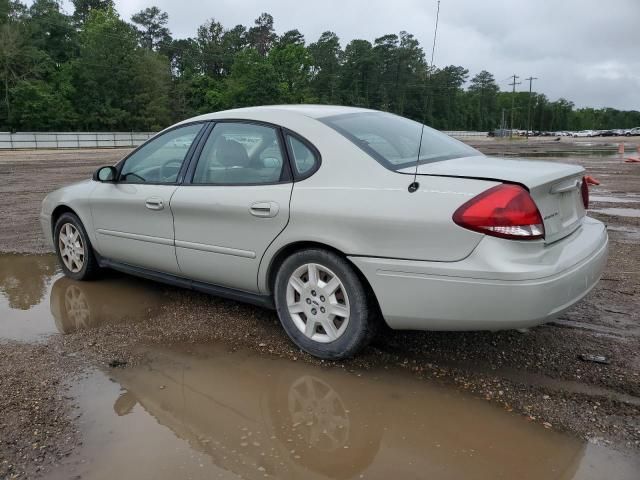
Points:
[(232, 154)]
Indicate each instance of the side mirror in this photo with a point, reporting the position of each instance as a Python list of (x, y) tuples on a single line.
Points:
[(105, 174)]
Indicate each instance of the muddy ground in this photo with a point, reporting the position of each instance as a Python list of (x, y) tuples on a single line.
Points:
[(538, 374)]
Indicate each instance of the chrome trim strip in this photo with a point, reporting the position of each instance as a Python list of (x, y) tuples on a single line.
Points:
[(215, 249), (136, 236)]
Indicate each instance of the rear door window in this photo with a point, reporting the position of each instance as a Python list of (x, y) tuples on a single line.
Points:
[(240, 154)]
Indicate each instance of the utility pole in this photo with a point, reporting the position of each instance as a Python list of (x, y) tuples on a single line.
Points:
[(513, 99), (530, 80)]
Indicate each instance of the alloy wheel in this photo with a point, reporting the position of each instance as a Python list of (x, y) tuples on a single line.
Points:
[(71, 247), (318, 303)]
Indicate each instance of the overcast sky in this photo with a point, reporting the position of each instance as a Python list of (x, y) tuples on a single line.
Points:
[(587, 51)]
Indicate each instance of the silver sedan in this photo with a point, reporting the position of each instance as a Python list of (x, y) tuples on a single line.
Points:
[(341, 219)]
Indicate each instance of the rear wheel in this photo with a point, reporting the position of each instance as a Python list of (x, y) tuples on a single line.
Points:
[(74, 248), (323, 305)]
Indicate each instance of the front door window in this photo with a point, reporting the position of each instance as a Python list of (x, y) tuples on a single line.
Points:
[(159, 161)]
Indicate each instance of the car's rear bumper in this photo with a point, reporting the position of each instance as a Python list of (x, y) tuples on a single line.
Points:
[(502, 284)]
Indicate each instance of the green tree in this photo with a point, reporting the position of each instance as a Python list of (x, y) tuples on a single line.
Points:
[(109, 80), (44, 105), (83, 8), (93, 70), (448, 97), (262, 35), (290, 37), (410, 68), (233, 42), (150, 88), (292, 65), (4, 11), (212, 57), (326, 56), (253, 81), (19, 60), (51, 31), (152, 28), (483, 91), (357, 73)]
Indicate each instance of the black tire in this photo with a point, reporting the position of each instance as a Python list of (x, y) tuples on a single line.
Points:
[(361, 327), (90, 265)]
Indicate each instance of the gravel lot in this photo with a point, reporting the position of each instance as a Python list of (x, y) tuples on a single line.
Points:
[(537, 373)]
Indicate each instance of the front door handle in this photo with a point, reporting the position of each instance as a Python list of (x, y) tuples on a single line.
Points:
[(264, 209), (154, 203)]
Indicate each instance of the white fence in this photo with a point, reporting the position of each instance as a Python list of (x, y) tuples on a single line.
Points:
[(31, 140), (461, 133)]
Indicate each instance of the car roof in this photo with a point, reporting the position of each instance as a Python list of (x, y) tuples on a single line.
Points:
[(312, 111)]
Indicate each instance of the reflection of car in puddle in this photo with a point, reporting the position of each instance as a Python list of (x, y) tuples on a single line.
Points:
[(79, 305), (319, 411), (256, 416)]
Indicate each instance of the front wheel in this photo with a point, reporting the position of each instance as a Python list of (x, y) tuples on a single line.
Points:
[(74, 248), (323, 305)]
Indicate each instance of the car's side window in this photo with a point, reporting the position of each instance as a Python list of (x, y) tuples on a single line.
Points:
[(241, 153), (160, 160), (304, 158)]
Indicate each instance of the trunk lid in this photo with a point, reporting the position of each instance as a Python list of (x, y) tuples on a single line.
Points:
[(555, 187)]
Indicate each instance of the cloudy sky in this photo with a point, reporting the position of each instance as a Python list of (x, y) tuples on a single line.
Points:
[(587, 51)]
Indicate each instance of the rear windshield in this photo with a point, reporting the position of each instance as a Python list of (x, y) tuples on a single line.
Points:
[(394, 141)]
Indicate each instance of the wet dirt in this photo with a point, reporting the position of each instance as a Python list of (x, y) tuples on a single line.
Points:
[(203, 411), (605, 199), (26, 177), (52, 417), (618, 212)]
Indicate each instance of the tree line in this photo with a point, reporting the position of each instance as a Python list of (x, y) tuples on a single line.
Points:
[(94, 71)]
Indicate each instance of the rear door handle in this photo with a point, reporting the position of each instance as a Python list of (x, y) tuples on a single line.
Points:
[(264, 209), (154, 203)]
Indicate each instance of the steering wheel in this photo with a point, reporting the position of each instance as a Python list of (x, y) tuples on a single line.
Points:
[(170, 168)]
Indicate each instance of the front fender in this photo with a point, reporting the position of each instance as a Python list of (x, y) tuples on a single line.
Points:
[(76, 197)]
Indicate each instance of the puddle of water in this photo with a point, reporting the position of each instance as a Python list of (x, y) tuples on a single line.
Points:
[(619, 212), (605, 199), (204, 412), (36, 300), (25, 288)]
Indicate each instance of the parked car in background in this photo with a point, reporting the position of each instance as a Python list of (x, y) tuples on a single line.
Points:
[(633, 132), (584, 133), (339, 218), (606, 133)]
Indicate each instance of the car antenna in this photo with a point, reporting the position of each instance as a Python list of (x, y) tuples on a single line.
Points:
[(414, 186)]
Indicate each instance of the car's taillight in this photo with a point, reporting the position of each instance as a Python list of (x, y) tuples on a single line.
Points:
[(584, 189), (505, 211)]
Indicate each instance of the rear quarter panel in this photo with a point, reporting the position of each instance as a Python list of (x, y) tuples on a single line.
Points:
[(355, 205)]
